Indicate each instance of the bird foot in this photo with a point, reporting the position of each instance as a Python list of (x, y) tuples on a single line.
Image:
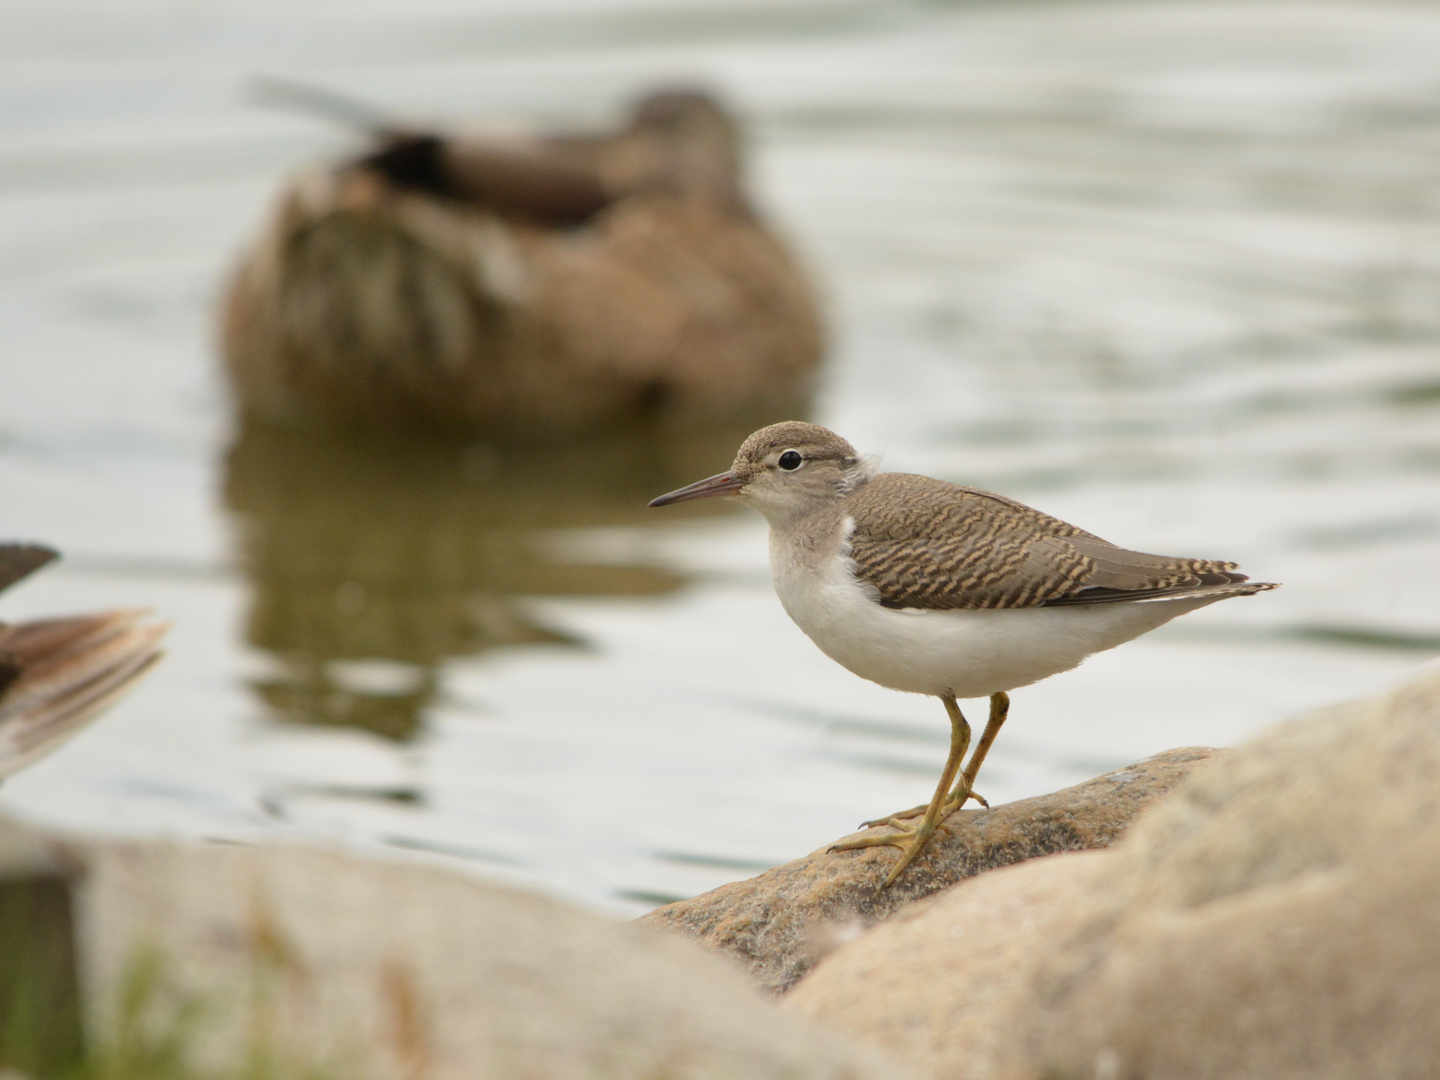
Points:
[(953, 802), (898, 838), (960, 801), (909, 839), (896, 818)]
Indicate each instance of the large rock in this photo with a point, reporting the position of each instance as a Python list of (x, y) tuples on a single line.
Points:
[(937, 983), (374, 969), (1275, 918), (780, 923), (1278, 919)]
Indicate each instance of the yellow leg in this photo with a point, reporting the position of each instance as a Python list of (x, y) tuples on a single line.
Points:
[(965, 786), (912, 838)]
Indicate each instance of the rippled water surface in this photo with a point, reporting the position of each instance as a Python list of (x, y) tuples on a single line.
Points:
[(1169, 271)]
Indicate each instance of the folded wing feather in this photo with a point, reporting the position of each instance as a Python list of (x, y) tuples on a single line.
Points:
[(925, 543), (56, 675)]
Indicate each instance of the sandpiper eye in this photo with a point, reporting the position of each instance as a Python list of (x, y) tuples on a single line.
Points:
[(790, 460)]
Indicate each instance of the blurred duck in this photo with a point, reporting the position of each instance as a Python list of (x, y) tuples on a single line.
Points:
[(543, 286), (56, 675)]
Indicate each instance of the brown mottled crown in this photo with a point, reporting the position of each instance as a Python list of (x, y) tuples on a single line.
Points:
[(815, 442)]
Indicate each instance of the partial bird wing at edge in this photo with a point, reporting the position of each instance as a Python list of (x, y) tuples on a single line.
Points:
[(21, 560), (943, 546), (65, 672)]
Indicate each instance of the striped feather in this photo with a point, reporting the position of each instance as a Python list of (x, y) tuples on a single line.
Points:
[(56, 675), (925, 543)]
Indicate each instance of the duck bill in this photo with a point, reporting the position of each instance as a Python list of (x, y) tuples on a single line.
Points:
[(723, 483)]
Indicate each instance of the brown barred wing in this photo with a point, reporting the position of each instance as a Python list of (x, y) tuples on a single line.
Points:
[(924, 543)]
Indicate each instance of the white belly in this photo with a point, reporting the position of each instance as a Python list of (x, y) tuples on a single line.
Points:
[(966, 653)]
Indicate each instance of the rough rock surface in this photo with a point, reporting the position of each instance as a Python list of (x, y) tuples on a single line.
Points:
[(780, 923), (937, 981), (375, 969), (1275, 918)]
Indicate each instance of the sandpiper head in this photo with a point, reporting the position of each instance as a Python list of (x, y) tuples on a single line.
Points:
[(783, 470)]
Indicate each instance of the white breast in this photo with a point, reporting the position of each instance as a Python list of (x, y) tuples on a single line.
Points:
[(967, 653)]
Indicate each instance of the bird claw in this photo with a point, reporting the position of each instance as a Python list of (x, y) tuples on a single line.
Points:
[(953, 802), (896, 818), (910, 839), (956, 800), (896, 839)]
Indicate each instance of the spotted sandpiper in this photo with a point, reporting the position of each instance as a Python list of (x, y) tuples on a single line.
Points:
[(936, 588)]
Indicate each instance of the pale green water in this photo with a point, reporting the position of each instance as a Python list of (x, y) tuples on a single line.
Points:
[(1169, 271)]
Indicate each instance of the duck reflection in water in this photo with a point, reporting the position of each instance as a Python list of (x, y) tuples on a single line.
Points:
[(374, 559)]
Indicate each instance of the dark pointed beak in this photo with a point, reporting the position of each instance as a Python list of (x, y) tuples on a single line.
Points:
[(723, 483)]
